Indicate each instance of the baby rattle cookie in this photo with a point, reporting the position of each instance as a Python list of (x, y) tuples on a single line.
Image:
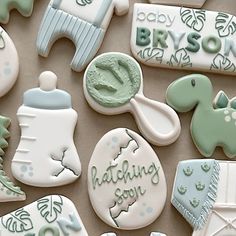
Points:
[(184, 38), (132, 188), (84, 22), (9, 62), (113, 84), (46, 155), (204, 193), (51, 215), (8, 191), (186, 3), (212, 124), (25, 7)]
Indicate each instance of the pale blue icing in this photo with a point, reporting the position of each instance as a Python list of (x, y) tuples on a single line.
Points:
[(189, 175), (55, 99), (86, 36), (56, 3), (101, 13)]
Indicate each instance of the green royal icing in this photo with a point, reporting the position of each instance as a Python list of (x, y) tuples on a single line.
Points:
[(6, 185), (25, 7), (112, 80), (210, 127)]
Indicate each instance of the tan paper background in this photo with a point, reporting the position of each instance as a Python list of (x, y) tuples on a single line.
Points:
[(91, 125)]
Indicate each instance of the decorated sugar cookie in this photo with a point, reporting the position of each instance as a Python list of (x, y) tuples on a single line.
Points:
[(52, 215), (204, 193), (186, 3), (152, 234), (184, 38), (212, 124), (113, 84), (46, 155), (8, 191), (82, 21), (126, 182), (9, 62), (25, 7)]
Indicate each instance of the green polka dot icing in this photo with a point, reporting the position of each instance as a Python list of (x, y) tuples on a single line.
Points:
[(113, 79)]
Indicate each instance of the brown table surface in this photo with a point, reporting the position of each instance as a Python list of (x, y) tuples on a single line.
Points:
[(92, 126)]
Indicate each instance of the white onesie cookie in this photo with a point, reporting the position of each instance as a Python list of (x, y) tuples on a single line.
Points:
[(83, 21)]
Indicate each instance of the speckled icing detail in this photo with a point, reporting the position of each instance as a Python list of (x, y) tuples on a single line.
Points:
[(130, 186), (112, 80), (53, 215), (212, 125), (47, 123), (196, 199), (25, 7), (84, 22), (8, 191), (9, 62)]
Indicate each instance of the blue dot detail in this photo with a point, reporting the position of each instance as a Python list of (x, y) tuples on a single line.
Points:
[(114, 139), (23, 168), (7, 71), (149, 210)]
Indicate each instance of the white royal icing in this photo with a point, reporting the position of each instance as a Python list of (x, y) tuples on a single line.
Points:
[(184, 38), (186, 3), (46, 155), (127, 191), (51, 215), (9, 63)]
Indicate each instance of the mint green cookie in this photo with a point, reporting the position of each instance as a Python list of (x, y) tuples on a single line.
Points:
[(113, 79), (25, 7), (210, 127)]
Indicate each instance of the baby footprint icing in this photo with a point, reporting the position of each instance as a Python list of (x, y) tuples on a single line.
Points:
[(46, 155)]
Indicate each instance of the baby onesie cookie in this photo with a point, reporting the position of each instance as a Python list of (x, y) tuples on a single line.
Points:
[(46, 155), (127, 191), (212, 124), (186, 3), (8, 192), (82, 21), (25, 7), (184, 38), (53, 215), (204, 193), (113, 84), (9, 62)]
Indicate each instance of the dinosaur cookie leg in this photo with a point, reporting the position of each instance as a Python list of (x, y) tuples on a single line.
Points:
[(230, 150), (86, 37), (205, 148)]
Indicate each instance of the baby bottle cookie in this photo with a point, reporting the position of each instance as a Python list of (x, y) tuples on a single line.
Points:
[(8, 191), (25, 7), (46, 155), (126, 182), (9, 62), (113, 84), (53, 215), (213, 122), (84, 22)]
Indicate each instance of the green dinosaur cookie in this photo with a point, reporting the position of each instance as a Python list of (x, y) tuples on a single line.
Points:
[(211, 126), (25, 7), (8, 192)]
